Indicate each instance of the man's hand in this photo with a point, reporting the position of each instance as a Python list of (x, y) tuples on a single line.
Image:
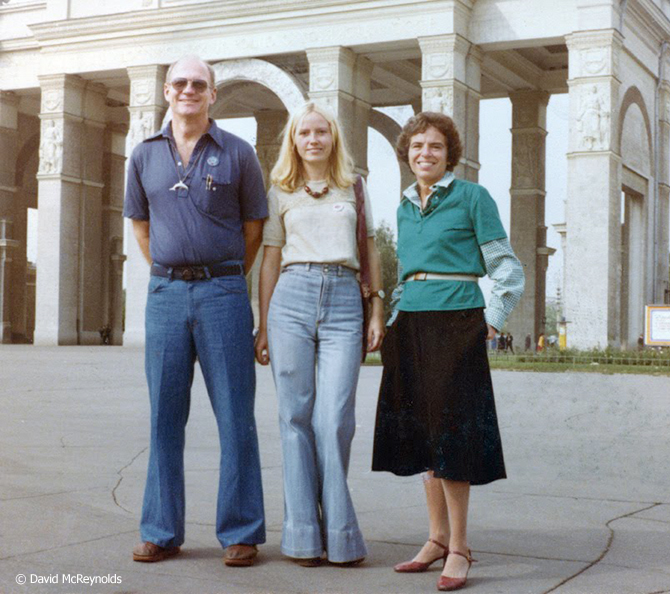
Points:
[(492, 332), (141, 232)]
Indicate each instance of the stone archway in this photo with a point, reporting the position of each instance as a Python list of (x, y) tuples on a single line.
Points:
[(635, 146), (390, 129), (286, 87), (281, 83)]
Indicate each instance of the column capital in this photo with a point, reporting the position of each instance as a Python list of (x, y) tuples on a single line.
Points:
[(61, 94), (445, 57), (451, 42), (529, 96), (146, 86), (336, 53), (529, 110), (152, 71), (594, 53), (331, 69)]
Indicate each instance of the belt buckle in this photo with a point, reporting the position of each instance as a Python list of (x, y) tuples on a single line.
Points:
[(420, 276), (188, 273)]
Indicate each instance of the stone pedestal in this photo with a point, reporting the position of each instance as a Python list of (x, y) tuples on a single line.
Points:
[(68, 298), (147, 109), (528, 233), (340, 81), (593, 208), (450, 83)]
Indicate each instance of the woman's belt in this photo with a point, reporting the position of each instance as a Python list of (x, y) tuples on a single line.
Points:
[(422, 276)]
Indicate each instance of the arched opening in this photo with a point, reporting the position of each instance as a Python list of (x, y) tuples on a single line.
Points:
[(637, 187)]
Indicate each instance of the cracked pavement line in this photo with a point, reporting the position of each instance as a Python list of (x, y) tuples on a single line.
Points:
[(120, 473), (69, 544), (610, 540)]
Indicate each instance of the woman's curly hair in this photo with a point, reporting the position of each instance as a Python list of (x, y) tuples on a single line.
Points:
[(418, 124)]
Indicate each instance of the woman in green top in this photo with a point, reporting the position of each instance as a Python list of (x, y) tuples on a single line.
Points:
[(436, 411)]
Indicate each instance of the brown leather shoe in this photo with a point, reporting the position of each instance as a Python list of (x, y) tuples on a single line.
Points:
[(240, 555), (307, 561), (148, 552)]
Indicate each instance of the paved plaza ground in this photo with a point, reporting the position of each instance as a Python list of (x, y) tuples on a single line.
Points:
[(586, 509)]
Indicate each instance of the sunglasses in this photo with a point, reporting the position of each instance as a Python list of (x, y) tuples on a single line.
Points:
[(198, 85)]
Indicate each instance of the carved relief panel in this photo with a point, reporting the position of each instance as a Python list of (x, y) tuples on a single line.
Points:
[(439, 99), (593, 119), (142, 126), (51, 147)]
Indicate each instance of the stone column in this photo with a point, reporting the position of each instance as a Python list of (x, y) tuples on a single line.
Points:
[(528, 233), (69, 176), (113, 229), (269, 126), (340, 80), (92, 264), (8, 149), (593, 207), (450, 83), (147, 109), (26, 197)]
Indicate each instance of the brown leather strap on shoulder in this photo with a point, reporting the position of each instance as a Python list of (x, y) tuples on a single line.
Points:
[(362, 232)]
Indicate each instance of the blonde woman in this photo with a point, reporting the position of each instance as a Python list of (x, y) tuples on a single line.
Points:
[(311, 325)]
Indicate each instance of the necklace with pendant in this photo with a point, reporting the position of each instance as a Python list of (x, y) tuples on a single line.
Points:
[(181, 185), (314, 194)]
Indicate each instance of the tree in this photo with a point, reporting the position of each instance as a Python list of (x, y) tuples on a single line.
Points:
[(386, 245)]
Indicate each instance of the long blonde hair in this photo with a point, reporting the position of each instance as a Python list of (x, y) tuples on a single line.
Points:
[(288, 173)]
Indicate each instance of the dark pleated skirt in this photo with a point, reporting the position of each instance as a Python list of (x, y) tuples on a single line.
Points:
[(436, 409)]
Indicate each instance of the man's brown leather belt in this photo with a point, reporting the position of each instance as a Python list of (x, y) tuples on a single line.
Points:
[(189, 273)]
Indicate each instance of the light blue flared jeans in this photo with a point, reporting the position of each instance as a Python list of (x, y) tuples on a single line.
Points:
[(314, 333)]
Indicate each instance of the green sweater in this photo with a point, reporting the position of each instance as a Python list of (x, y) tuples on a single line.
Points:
[(445, 238)]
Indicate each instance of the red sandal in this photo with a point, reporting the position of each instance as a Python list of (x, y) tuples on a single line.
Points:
[(449, 584), (420, 566)]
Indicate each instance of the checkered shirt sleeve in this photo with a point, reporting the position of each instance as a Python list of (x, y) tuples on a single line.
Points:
[(395, 296), (506, 272)]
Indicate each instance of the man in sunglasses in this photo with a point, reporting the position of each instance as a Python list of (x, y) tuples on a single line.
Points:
[(196, 199)]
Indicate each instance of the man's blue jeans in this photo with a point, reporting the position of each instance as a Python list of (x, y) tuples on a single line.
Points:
[(210, 319), (315, 325)]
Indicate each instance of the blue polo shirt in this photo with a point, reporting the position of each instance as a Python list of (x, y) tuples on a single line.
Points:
[(201, 224)]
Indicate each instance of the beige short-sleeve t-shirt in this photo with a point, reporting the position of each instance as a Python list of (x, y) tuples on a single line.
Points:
[(318, 230)]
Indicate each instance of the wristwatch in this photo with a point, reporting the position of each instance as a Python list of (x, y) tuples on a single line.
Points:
[(381, 294)]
